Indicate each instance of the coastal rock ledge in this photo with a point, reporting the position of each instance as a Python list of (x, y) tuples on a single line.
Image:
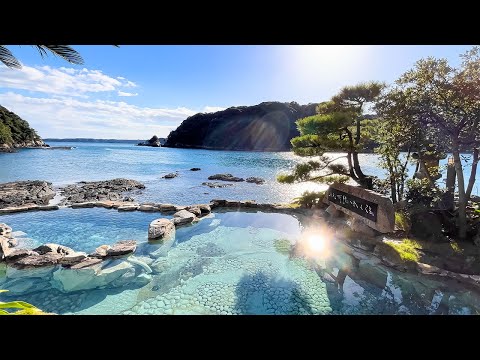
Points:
[(18, 193), (108, 190)]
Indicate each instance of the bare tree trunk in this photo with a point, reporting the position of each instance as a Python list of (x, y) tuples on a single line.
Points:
[(350, 166), (462, 198), (393, 183), (473, 174), (356, 166)]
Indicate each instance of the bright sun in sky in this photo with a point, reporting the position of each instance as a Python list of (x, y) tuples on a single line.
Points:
[(312, 63)]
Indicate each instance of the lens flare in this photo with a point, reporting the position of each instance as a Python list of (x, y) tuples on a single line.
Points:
[(315, 243)]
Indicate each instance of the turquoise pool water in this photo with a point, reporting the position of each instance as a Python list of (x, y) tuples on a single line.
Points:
[(228, 263)]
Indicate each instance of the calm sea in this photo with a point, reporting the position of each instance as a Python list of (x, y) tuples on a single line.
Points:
[(102, 161)]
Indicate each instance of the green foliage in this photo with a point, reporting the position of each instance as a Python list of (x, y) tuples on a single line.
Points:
[(402, 221), (14, 129), (407, 249), (310, 198), (19, 307), (336, 127), (5, 134), (421, 193)]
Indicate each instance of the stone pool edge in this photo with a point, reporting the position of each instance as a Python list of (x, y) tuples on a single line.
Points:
[(358, 249)]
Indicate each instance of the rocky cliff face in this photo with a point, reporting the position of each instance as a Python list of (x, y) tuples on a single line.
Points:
[(16, 132), (268, 126)]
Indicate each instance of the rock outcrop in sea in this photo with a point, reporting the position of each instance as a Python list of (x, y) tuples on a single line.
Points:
[(268, 126), (112, 190), (14, 194), (154, 141)]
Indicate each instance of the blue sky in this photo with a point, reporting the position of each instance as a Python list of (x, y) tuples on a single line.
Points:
[(133, 92)]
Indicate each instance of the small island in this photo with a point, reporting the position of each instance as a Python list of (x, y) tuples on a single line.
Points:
[(154, 141)]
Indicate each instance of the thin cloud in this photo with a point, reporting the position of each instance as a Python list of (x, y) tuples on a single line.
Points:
[(122, 93), (77, 117), (61, 81)]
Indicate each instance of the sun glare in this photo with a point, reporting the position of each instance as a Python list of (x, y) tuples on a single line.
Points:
[(312, 63), (315, 243)]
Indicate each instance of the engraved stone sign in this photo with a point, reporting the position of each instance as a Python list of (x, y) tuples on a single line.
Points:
[(374, 209)]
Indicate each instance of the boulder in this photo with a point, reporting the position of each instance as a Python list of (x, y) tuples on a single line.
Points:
[(332, 211), (34, 261), (170, 176), (183, 217), (195, 169), (53, 248), (225, 177), (101, 251), (87, 204), (360, 227), (47, 207), (160, 229), (255, 180), (194, 210), (204, 209), (232, 203), (127, 208), (148, 208), (123, 247), (18, 254), (214, 185), (86, 263), (73, 258), (167, 208), (5, 230)]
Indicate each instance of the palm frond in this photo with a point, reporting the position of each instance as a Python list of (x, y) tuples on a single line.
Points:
[(8, 59), (64, 51)]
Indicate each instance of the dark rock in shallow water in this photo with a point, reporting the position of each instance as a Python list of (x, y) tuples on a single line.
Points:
[(112, 190), (225, 177), (195, 169), (53, 248), (255, 180), (216, 184), (18, 193), (241, 128), (170, 176)]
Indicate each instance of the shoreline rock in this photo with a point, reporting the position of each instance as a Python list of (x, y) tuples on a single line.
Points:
[(225, 177), (255, 180), (20, 193), (214, 185), (107, 190)]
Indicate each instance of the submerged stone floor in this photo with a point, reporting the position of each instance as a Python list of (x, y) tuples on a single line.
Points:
[(225, 269)]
